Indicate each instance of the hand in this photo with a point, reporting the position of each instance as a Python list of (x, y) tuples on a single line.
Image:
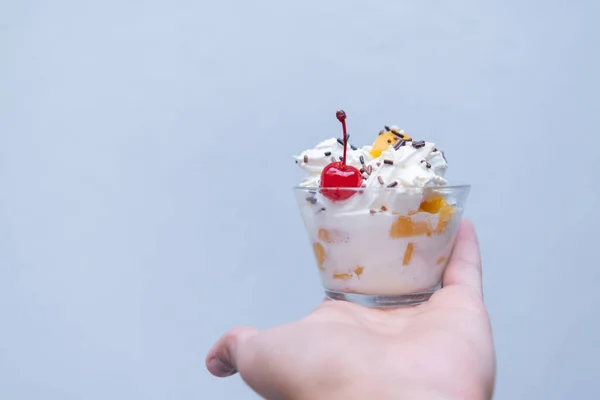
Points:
[(441, 349)]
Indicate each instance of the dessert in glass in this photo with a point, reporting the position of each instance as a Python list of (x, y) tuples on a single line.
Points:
[(381, 219)]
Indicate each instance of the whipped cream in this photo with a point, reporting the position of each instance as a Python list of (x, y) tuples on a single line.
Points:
[(410, 166), (414, 165), (314, 160)]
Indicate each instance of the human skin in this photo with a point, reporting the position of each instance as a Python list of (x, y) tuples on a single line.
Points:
[(442, 349)]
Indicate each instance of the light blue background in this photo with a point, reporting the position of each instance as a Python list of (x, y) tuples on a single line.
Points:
[(145, 174)]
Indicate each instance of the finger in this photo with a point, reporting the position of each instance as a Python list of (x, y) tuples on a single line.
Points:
[(464, 267), (222, 358)]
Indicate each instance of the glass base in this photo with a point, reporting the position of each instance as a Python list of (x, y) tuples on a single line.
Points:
[(382, 300)]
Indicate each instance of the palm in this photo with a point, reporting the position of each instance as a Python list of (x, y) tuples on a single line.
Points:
[(443, 346)]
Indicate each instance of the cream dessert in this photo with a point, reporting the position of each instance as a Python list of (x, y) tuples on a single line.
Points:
[(381, 218)]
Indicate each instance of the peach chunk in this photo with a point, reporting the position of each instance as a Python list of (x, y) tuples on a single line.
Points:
[(408, 253), (359, 270), (323, 235), (432, 205), (382, 143), (343, 276), (441, 260), (403, 227), (437, 205), (331, 236), (406, 227), (445, 216), (319, 255)]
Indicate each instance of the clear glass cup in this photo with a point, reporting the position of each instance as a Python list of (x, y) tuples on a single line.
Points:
[(382, 247)]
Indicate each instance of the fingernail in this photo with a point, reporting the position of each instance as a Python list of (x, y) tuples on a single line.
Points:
[(221, 368)]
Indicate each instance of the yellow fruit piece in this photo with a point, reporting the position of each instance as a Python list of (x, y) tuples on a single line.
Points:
[(382, 142), (432, 205), (323, 235), (444, 218), (441, 260), (319, 255), (401, 228), (385, 140), (408, 253), (405, 227), (331, 236), (343, 276), (359, 270)]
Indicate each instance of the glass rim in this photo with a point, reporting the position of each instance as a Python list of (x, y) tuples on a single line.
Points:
[(385, 188)]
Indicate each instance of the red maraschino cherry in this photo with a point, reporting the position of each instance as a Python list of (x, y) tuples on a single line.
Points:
[(339, 175)]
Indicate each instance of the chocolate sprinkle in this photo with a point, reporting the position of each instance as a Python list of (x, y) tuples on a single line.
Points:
[(389, 140), (362, 160), (369, 169), (395, 183), (312, 200), (362, 170), (381, 132), (434, 150), (372, 211), (419, 144), (387, 128), (341, 158), (340, 141), (383, 208), (426, 163), (327, 153), (353, 147), (378, 164), (322, 209), (443, 155), (305, 158), (399, 144), (388, 162), (401, 136), (380, 179)]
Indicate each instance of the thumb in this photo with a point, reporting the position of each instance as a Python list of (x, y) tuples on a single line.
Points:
[(464, 267), (222, 358)]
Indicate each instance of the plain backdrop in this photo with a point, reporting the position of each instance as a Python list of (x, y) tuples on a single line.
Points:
[(146, 174)]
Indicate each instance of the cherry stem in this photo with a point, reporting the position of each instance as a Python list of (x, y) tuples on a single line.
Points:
[(341, 116)]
